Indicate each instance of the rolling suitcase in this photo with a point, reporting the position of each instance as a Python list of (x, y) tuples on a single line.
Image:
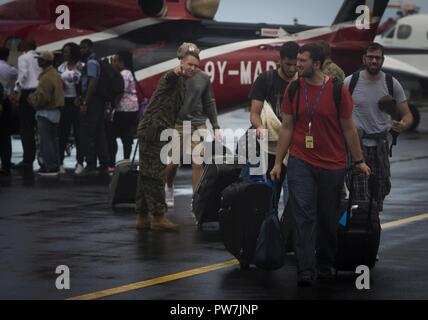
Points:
[(123, 185), (358, 232), (243, 209), (207, 197)]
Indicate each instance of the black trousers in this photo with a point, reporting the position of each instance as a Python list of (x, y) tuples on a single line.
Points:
[(123, 127), (5, 131), (93, 135), (70, 118), (27, 127)]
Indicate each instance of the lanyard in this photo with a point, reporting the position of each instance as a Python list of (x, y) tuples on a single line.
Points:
[(317, 100)]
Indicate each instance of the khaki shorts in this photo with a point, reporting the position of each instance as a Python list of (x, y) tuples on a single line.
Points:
[(201, 136)]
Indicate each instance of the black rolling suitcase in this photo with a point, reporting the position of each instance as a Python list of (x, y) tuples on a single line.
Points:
[(207, 197), (123, 185), (243, 209), (358, 232)]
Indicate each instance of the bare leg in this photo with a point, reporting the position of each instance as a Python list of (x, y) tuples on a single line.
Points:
[(170, 173), (197, 171)]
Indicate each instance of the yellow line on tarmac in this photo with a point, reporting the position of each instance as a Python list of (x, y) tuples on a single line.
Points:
[(155, 281), (206, 269), (404, 221)]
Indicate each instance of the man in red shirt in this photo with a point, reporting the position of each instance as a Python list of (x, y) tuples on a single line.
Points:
[(317, 136)]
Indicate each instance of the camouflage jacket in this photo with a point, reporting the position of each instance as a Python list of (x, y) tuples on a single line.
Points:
[(163, 108), (333, 70)]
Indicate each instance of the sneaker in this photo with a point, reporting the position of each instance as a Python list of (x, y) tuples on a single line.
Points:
[(48, 172), (305, 279), (79, 169), (62, 170), (169, 196), (143, 222), (162, 223)]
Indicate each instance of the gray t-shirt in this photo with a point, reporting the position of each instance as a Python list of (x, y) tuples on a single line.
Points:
[(199, 102), (366, 113)]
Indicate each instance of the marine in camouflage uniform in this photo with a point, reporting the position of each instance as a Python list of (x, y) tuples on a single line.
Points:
[(333, 70), (160, 114), (329, 67)]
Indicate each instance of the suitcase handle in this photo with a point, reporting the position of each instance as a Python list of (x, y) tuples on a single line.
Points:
[(274, 201), (372, 183), (135, 153)]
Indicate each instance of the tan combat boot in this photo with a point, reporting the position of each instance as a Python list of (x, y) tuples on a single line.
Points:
[(143, 222), (162, 223)]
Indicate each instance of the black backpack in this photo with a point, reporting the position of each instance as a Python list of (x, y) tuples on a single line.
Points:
[(388, 79), (294, 88), (110, 83)]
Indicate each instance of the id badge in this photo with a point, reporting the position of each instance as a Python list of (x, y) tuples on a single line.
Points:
[(309, 141)]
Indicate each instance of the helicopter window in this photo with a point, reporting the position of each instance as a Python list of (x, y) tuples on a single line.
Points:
[(390, 33), (404, 31)]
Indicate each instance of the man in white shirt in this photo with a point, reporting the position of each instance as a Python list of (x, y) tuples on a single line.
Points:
[(8, 76), (28, 73)]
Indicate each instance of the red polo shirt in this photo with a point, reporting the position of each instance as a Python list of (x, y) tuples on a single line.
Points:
[(329, 150)]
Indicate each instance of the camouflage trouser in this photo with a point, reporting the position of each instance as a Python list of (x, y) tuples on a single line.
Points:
[(150, 197)]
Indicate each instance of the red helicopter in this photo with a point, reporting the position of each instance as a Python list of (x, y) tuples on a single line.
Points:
[(233, 54)]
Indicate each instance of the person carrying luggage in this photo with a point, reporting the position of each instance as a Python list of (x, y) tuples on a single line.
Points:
[(198, 105), (270, 87), (368, 87), (317, 131)]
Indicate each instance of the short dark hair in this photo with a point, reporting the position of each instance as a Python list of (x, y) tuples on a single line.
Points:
[(74, 51), (88, 42), (4, 53), (316, 52), (326, 47), (289, 50), (374, 46)]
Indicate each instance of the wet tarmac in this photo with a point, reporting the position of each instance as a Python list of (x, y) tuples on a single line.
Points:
[(46, 223)]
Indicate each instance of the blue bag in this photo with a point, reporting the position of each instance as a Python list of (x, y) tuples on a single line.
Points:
[(270, 249)]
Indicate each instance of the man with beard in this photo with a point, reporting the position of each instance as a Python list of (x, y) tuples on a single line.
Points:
[(317, 131), (270, 86), (160, 114), (367, 88)]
